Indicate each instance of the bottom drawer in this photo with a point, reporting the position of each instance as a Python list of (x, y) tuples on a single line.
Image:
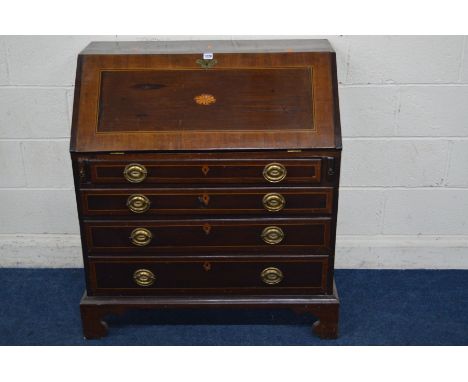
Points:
[(233, 276)]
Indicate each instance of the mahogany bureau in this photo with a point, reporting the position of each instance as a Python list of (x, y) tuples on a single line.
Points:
[(206, 175)]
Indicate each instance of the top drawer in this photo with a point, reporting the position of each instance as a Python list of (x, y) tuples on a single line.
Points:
[(210, 171)]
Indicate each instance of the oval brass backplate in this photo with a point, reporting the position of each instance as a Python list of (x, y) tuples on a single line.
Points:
[(271, 276), (135, 173), (138, 203), (273, 201), (274, 172), (144, 277), (141, 237), (272, 235)]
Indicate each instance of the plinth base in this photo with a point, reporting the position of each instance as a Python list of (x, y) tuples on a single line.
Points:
[(324, 307)]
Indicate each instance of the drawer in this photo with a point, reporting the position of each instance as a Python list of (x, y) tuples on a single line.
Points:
[(266, 236), (210, 171), (146, 202), (207, 276)]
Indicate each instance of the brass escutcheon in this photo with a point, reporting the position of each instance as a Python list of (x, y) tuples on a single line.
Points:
[(274, 172), (141, 237), (205, 169), (135, 173), (204, 199), (271, 276), (138, 203), (82, 172), (206, 63), (207, 266), (273, 201), (144, 277), (272, 235), (207, 228)]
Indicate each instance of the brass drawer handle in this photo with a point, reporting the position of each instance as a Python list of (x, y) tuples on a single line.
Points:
[(272, 235), (271, 276), (141, 237), (135, 173), (138, 203), (274, 172), (144, 277), (273, 201)]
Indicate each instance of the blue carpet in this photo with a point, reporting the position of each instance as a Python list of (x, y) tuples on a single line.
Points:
[(386, 307)]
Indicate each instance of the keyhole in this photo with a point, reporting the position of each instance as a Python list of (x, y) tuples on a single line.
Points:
[(206, 228), (207, 266), (205, 169), (205, 199)]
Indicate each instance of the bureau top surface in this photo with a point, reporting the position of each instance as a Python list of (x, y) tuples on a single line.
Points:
[(212, 46), (206, 95)]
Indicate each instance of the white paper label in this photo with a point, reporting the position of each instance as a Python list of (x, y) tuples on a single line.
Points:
[(207, 56)]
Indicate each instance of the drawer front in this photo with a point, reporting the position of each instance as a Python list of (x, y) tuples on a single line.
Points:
[(227, 276), (208, 236), (207, 201), (264, 172)]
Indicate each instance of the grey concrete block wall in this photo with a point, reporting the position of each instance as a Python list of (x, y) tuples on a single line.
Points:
[(403, 60), (34, 112), (404, 103)]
